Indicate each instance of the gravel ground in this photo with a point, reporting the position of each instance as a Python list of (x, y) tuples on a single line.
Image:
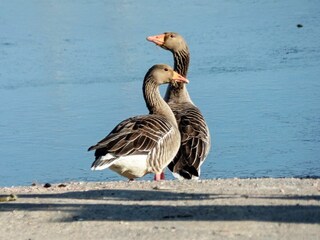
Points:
[(209, 209)]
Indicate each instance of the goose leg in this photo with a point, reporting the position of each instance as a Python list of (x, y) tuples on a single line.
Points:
[(159, 176), (162, 176)]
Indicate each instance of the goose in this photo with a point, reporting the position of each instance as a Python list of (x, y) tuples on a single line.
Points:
[(147, 143), (195, 135)]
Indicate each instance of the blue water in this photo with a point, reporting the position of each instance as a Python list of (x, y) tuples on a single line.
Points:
[(71, 70)]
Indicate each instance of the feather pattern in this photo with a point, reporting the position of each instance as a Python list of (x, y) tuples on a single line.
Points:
[(142, 144), (195, 141)]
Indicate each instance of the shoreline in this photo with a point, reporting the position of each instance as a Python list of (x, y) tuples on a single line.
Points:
[(264, 208), (123, 180)]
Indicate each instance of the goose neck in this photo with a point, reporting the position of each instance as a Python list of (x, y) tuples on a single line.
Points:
[(154, 101), (181, 61), (178, 93)]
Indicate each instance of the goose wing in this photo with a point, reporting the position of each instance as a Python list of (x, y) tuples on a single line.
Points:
[(195, 141), (137, 135)]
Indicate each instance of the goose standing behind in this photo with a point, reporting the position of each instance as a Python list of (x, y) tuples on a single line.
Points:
[(195, 136), (143, 144)]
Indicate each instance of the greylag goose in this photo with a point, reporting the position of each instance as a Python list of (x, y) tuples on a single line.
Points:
[(143, 144), (195, 136)]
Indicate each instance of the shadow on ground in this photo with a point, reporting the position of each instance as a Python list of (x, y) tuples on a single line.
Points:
[(151, 205)]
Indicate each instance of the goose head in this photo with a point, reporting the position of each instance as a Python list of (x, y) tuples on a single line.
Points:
[(171, 41), (163, 73)]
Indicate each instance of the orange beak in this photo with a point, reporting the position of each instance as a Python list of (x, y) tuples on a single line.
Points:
[(157, 39), (178, 78)]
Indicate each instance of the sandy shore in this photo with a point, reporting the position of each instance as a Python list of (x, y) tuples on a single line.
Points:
[(208, 209)]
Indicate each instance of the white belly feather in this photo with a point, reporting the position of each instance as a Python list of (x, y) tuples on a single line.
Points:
[(131, 166)]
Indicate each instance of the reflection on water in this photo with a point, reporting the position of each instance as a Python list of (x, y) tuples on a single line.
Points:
[(72, 70)]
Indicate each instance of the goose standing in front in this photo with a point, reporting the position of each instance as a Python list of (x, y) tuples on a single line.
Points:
[(143, 144), (195, 136)]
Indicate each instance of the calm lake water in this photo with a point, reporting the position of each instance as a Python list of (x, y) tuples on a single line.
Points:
[(71, 70)]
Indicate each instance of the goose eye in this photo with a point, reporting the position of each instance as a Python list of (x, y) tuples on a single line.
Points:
[(166, 69), (172, 36)]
